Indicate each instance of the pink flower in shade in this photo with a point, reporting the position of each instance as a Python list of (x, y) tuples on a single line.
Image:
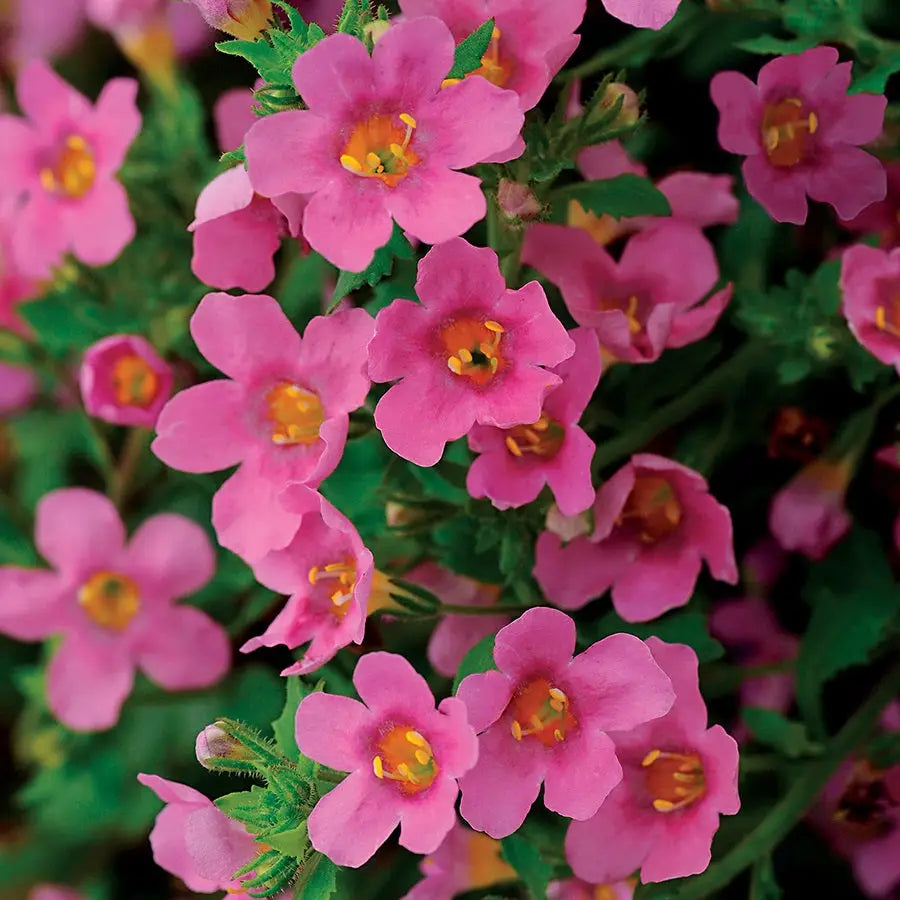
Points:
[(891, 456), (113, 603), (649, 300), (244, 19), (576, 889), (38, 32), (515, 463), (883, 217), (233, 117), (808, 515), (679, 777), (404, 757), (543, 717), (15, 287), (381, 140), (472, 352), (456, 634), (466, 861), (282, 412), (54, 892), (124, 381), (763, 564), (800, 131), (870, 285), (654, 524), (61, 161), (642, 13), (194, 840), (18, 387)]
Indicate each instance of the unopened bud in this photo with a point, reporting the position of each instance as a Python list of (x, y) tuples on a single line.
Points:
[(215, 745), (244, 19), (517, 201), (375, 30), (567, 528), (629, 111)]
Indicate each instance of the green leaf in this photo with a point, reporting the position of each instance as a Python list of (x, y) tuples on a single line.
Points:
[(381, 266), (624, 195), (529, 865), (468, 54), (773, 729), (763, 885), (875, 80), (774, 46), (681, 627), (283, 726), (291, 843), (479, 659), (317, 879)]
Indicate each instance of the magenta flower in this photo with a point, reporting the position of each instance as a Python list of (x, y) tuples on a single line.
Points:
[(515, 463), (679, 777), (889, 456), (113, 604), (403, 755), (576, 889), (472, 352), (763, 564), (654, 524), (233, 116), (18, 387), (883, 217), (195, 841), (282, 413), (800, 131), (244, 19), (808, 514), (649, 300), (642, 13), (543, 718), (61, 160), (124, 381), (54, 892), (870, 285), (331, 579), (381, 140), (15, 286), (29, 36)]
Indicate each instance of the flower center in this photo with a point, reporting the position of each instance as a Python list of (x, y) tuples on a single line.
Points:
[(486, 866), (785, 131), (473, 349), (674, 780), (295, 414), (542, 438), (340, 575), (134, 382), (74, 172), (495, 67), (110, 599), (406, 757), (541, 711), (887, 318), (865, 808), (380, 148), (654, 507)]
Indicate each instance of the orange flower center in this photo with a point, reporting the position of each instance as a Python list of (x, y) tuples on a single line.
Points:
[(654, 507), (541, 711), (673, 780), (340, 575), (864, 809), (380, 148), (603, 229), (295, 414), (785, 131), (250, 22), (473, 349), (74, 172), (495, 67), (134, 381), (110, 599), (542, 438), (486, 866), (887, 318), (405, 756)]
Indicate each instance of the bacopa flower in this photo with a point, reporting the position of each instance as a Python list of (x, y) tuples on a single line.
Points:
[(381, 140), (870, 285), (642, 13), (282, 413), (15, 286), (808, 514), (124, 381), (800, 131), (404, 757), (17, 387), (195, 841), (543, 717), (891, 456), (679, 777), (244, 19), (60, 161), (27, 35), (472, 351), (112, 602), (881, 218), (330, 577), (649, 300), (654, 524), (54, 892), (466, 861), (576, 889), (514, 464)]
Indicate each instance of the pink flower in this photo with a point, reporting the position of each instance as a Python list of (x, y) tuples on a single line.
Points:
[(456, 634), (381, 140), (18, 387), (54, 892), (282, 413), (39, 32), (194, 840), (654, 523), (403, 755), (642, 13), (679, 777), (808, 514), (472, 352), (124, 381), (244, 19), (543, 717), (891, 456), (763, 564), (61, 160), (15, 287), (112, 602), (466, 861), (649, 300), (800, 131), (883, 217), (330, 576), (515, 463), (576, 889), (870, 285)]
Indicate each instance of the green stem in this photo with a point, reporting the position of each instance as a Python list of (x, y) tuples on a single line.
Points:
[(458, 609), (807, 785), (127, 465)]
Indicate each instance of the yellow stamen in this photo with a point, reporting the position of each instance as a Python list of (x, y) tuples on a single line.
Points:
[(407, 120), (351, 163), (516, 729), (455, 365), (378, 767), (464, 354), (496, 327)]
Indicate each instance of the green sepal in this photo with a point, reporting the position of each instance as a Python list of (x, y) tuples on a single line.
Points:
[(470, 50)]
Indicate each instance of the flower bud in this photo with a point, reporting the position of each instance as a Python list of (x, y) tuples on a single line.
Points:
[(517, 201), (629, 111), (567, 528), (375, 30), (214, 745), (244, 19)]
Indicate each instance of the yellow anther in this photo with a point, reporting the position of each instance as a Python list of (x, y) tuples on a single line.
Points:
[(813, 123), (663, 805), (495, 34), (408, 120), (447, 82), (464, 354), (416, 739), (516, 729), (495, 363), (423, 757), (351, 163), (496, 327), (378, 767), (313, 572), (556, 693), (558, 734), (512, 446), (683, 776), (881, 318), (455, 365), (397, 150), (651, 757), (404, 771), (374, 160), (76, 142), (48, 182)]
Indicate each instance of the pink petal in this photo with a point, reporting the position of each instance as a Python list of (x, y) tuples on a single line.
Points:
[(569, 474), (486, 695), (861, 120), (115, 121), (172, 791), (335, 77), (384, 680), (218, 846), (534, 332), (711, 533), (110, 226), (333, 730), (701, 199), (580, 374), (410, 61), (540, 640), (783, 196), (643, 13), (584, 772), (425, 823), (680, 663), (695, 324), (400, 331), (18, 149), (796, 70), (46, 98), (607, 161), (740, 112), (849, 179), (32, 603), (456, 275), (659, 580), (687, 850)]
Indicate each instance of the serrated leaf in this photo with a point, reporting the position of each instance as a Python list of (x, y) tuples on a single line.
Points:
[(468, 53), (398, 247), (290, 843), (773, 729), (624, 195), (529, 865), (479, 659), (317, 879)]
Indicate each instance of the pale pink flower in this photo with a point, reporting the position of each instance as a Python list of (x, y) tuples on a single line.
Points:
[(643, 13), (18, 387), (576, 889)]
